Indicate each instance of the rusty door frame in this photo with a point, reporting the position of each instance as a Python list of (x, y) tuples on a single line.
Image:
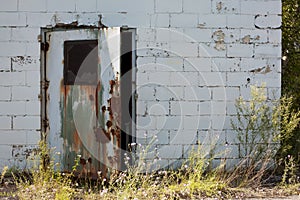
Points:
[(44, 84)]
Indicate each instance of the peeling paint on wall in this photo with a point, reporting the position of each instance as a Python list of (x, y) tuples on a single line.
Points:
[(219, 36)]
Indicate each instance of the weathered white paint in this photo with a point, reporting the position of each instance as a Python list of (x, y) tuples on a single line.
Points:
[(54, 71), (193, 60)]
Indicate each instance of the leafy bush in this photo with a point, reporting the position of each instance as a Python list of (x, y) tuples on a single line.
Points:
[(261, 125)]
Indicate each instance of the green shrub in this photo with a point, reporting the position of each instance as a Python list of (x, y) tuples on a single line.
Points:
[(260, 126)]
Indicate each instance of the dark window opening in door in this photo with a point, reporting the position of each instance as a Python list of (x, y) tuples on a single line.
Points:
[(81, 62)]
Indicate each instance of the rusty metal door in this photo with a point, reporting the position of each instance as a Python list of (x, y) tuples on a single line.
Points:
[(83, 98)]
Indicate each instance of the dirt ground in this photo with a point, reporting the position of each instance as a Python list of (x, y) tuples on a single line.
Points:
[(8, 189)]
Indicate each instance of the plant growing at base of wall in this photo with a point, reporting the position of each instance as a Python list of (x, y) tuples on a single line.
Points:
[(260, 126)]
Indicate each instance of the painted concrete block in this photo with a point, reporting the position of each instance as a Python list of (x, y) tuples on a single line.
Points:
[(25, 34), (197, 64), (184, 49), (5, 64), (274, 36), (5, 124), (275, 64), (184, 20), (164, 35), (226, 7), (162, 6), (184, 78), (12, 108), (197, 93), (240, 21), (25, 93), (160, 20), (170, 151), (32, 78), (141, 108), (146, 34), (218, 107), (26, 122), (198, 35), (33, 108), (212, 79), (65, 6), (164, 93), (146, 122), (7, 6), (159, 78), (194, 123), (12, 19), (5, 152), (267, 50), (195, 6), (40, 20), (238, 78), (231, 108), (169, 122), (130, 20), (158, 108), (146, 92), (142, 78), (158, 137), (25, 63), (184, 108), (212, 50), (261, 7), (226, 64), (13, 137), (33, 137), (12, 48), (212, 21), (183, 137), (225, 93), (32, 5), (169, 64), (254, 36), (33, 48), (118, 6), (5, 34), (12, 78), (240, 50), (83, 6), (5, 93), (219, 122), (205, 108)]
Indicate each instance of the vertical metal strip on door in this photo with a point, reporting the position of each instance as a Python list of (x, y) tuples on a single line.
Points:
[(110, 97)]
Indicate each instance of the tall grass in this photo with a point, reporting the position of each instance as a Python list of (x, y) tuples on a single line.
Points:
[(261, 125)]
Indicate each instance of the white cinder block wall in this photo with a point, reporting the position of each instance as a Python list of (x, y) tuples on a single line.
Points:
[(194, 58)]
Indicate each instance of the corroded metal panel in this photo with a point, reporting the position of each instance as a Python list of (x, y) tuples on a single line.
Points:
[(85, 118)]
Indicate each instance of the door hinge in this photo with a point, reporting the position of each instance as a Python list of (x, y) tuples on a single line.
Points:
[(45, 84), (45, 123), (45, 46), (40, 97)]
